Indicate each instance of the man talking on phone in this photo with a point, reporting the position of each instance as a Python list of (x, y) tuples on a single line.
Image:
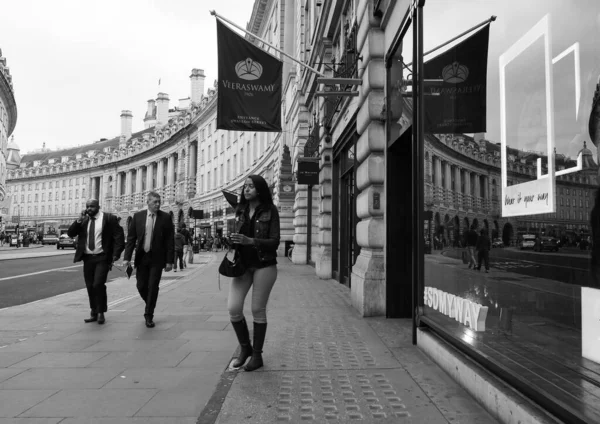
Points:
[(100, 243)]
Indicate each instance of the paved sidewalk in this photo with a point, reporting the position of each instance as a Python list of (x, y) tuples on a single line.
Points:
[(323, 362), (55, 368)]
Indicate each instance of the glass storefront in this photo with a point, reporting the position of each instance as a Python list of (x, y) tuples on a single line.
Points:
[(518, 197)]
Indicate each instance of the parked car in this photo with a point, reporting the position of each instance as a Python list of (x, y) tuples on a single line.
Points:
[(65, 241), (546, 243), (527, 242), (497, 243)]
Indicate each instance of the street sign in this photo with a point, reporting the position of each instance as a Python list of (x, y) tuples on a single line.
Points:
[(15, 219), (308, 171)]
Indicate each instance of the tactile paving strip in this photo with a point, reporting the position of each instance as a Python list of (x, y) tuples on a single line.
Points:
[(318, 345), (338, 396), (328, 397)]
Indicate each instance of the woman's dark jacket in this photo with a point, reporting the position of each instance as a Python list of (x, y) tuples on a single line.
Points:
[(264, 228)]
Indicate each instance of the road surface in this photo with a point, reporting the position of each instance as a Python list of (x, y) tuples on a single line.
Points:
[(27, 280)]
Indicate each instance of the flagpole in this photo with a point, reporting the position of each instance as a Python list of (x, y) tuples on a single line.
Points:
[(212, 12), (487, 21)]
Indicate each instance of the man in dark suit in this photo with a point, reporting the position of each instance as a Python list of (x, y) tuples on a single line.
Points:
[(151, 233), (99, 244)]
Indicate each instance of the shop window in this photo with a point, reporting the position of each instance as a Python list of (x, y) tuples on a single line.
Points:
[(534, 314)]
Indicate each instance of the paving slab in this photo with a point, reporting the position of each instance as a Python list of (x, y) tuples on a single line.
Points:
[(124, 420), (60, 378), (91, 403), (60, 360), (177, 403), (161, 378), (15, 402), (10, 358), (141, 359), (30, 420)]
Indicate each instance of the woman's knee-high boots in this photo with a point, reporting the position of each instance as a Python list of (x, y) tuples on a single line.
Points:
[(256, 361), (241, 331)]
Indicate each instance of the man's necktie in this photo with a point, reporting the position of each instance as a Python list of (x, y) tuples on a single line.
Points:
[(92, 234), (148, 236)]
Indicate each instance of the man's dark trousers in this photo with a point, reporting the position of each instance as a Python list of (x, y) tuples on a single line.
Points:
[(95, 271), (148, 276)]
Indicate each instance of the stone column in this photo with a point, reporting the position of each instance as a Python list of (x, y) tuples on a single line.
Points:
[(467, 177), (299, 255), (477, 196), (149, 175), (159, 177), (170, 170), (448, 171), (139, 174), (323, 264), (368, 290), (486, 188), (128, 178), (193, 164), (438, 172), (119, 178)]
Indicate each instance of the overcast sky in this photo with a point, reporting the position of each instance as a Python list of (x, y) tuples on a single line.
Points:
[(77, 64)]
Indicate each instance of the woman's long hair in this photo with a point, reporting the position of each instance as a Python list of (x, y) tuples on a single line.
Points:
[(264, 193)]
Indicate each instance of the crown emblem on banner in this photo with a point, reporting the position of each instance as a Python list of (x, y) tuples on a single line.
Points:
[(455, 73), (248, 69)]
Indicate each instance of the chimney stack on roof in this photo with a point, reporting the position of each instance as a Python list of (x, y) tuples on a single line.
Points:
[(162, 109), (150, 118), (126, 123), (197, 83)]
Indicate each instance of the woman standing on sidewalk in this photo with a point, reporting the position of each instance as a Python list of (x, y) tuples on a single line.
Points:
[(256, 239)]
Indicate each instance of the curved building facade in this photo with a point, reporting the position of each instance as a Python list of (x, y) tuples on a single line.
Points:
[(8, 120), (179, 154)]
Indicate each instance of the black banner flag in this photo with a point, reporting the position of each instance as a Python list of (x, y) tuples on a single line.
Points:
[(459, 106), (250, 79)]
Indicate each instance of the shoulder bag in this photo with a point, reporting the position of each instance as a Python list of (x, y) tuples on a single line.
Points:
[(232, 268)]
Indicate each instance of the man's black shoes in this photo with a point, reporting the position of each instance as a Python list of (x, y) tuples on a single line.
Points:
[(101, 319), (92, 318), (149, 322)]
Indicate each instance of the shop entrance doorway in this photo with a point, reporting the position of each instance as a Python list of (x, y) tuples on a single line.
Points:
[(345, 248), (399, 227)]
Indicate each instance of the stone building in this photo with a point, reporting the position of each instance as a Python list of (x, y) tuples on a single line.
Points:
[(463, 189), (180, 154), (8, 120)]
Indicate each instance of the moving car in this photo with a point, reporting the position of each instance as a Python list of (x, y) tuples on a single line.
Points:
[(546, 243), (65, 241), (527, 242), (497, 243)]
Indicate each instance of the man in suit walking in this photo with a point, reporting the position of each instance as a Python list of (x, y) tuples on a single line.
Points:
[(100, 243), (151, 233)]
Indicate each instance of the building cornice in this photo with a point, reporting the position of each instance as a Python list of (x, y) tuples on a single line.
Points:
[(7, 94)]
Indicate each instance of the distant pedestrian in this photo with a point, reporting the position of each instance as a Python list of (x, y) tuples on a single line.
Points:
[(179, 243), (256, 239), (471, 240), (2, 238), (483, 251), (100, 243), (151, 234), (187, 246)]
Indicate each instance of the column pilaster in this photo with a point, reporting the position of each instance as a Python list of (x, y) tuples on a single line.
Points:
[(368, 289)]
